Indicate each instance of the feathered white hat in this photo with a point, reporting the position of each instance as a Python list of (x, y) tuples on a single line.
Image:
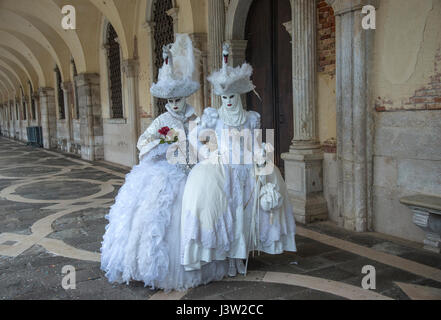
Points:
[(229, 80), (175, 76)]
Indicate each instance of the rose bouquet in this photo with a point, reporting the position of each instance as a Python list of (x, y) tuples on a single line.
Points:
[(168, 135)]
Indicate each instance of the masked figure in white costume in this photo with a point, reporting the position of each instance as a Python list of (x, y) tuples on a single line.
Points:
[(230, 208), (142, 239)]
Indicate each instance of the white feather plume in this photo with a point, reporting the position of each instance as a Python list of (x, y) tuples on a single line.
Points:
[(175, 79), (229, 80), (183, 57)]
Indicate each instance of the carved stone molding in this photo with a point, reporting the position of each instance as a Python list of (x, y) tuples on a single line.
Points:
[(343, 6), (174, 14), (288, 27)]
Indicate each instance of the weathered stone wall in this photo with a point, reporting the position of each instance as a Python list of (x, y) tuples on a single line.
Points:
[(407, 89), (117, 142)]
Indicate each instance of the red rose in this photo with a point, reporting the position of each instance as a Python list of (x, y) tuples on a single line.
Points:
[(164, 130)]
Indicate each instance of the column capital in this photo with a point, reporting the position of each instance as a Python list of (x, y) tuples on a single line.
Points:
[(149, 26), (130, 67), (343, 6), (238, 51), (174, 14), (35, 95), (288, 27), (46, 91), (87, 79), (65, 86)]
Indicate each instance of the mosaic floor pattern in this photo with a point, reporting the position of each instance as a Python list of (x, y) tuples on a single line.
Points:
[(52, 209)]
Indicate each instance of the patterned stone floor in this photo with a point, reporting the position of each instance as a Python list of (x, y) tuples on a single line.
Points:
[(52, 209)]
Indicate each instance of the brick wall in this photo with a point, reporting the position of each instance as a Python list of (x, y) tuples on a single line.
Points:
[(427, 97), (325, 38)]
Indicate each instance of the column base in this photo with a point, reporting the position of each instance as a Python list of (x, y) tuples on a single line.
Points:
[(312, 209), (304, 179)]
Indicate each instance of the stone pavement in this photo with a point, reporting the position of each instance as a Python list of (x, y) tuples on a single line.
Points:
[(52, 209)]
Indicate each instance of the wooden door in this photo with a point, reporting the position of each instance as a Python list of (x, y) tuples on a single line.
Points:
[(269, 51)]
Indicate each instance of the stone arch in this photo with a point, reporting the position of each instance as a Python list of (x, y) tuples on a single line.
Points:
[(28, 49), (4, 89), (16, 72), (118, 111), (236, 19), (28, 70), (11, 80), (149, 9), (46, 15), (116, 14), (11, 22)]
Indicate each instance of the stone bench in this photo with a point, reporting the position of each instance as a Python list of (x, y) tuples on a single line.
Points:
[(426, 215)]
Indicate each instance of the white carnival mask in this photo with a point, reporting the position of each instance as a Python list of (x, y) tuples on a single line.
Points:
[(230, 101), (177, 105)]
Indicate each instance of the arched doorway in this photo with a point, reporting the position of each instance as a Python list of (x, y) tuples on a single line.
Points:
[(269, 51)]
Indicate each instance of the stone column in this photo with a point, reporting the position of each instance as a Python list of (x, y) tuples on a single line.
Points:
[(216, 36), (304, 161), (67, 95), (200, 99), (354, 47), (11, 119), (130, 69), (91, 122), (18, 122), (238, 50), (48, 117)]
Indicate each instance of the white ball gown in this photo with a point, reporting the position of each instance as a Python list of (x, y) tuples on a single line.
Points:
[(142, 238), (219, 216)]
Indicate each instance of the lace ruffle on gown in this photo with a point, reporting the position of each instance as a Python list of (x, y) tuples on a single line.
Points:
[(142, 238), (217, 209)]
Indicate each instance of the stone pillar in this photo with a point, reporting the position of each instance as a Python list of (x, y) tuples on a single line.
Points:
[(27, 122), (17, 103), (238, 50), (91, 122), (354, 116), (11, 118), (130, 69), (216, 36), (304, 161), (48, 117), (67, 95), (201, 98)]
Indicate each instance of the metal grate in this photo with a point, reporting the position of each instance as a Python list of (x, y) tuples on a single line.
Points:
[(33, 111), (77, 104), (114, 63), (163, 34), (24, 110), (60, 94)]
